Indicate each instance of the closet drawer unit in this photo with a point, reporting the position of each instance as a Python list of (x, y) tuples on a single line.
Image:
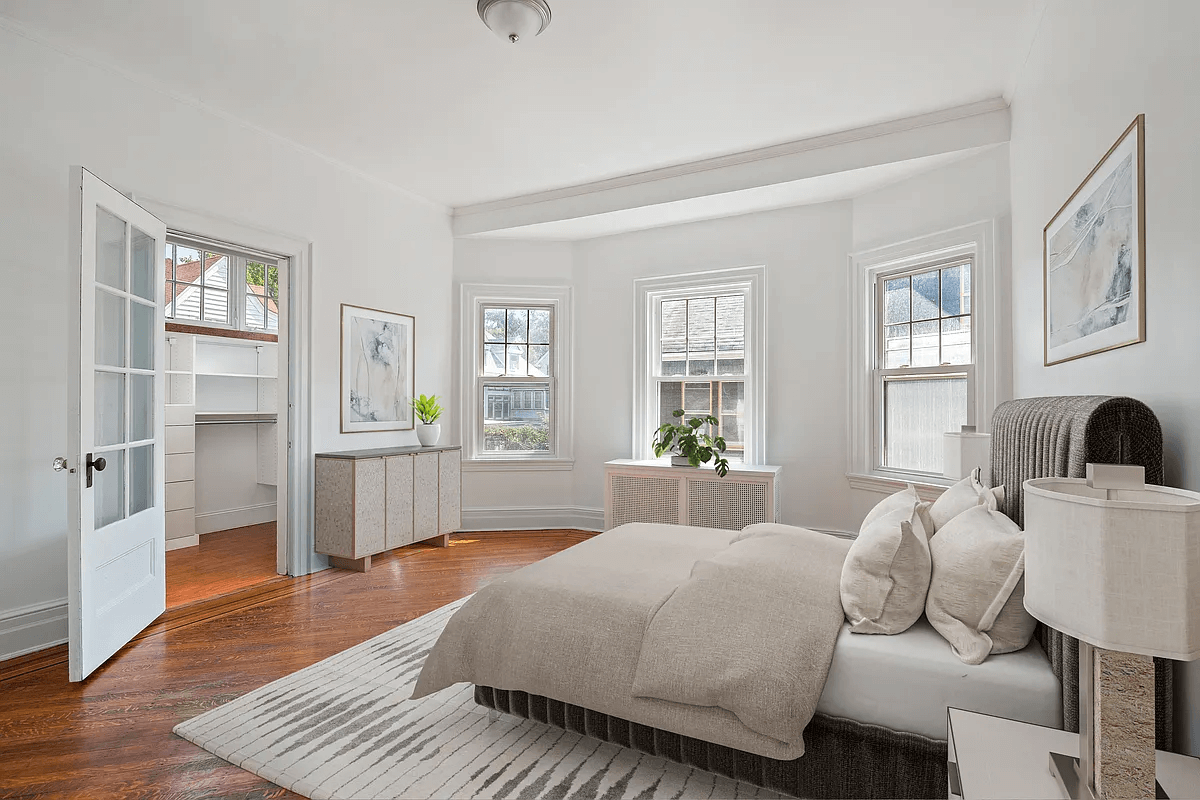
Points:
[(179, 414), (181, 495), (399, 527), (181, 524), (180, 439), (449, 491), (181, 467), (425, 496)]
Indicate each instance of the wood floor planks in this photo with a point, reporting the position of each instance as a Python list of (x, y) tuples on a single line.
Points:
[(223, 562), (110, 736)]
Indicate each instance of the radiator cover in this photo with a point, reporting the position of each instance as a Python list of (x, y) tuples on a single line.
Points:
[(654, 491)]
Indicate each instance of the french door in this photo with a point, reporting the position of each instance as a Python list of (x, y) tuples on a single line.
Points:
[(115, 558)]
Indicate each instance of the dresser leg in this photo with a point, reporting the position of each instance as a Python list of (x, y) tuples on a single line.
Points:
[(357, 564), (441, 541)]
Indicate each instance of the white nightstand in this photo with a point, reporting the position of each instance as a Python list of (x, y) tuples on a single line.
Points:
[(993, 757)]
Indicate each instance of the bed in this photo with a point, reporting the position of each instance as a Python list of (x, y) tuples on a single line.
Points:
[(589, 606)]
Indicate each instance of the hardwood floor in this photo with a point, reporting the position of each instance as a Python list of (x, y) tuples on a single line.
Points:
[(223, 562), (110, 736)]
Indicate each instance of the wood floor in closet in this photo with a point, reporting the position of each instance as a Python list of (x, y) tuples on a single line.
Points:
[(110, 736), (223, 562)]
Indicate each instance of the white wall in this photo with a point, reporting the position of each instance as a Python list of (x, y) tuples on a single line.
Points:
[(372, 246), (508, 499), (804, 250), (958, 194), (1095, 65)]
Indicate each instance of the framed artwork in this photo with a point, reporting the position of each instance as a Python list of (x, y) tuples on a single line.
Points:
[(1094, 257), (377, 370)]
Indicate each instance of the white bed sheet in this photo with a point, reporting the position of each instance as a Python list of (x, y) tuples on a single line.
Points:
[(905, 682)]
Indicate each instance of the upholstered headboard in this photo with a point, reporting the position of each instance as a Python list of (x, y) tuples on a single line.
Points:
[(1043, 437)]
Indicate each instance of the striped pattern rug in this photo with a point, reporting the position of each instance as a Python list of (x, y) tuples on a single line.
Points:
[(345, 727)]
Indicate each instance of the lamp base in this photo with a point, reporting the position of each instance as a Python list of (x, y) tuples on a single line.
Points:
[(1073, 784)]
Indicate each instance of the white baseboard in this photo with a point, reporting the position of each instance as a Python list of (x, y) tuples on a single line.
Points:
[(182, 541), (32, 628), (532, 519), (214, 521)]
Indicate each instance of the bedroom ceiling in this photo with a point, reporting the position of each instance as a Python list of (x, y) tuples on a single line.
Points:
[(422, 95)]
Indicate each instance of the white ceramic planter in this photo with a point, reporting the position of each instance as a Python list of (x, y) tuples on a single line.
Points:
[(428, 435), (680, 461)]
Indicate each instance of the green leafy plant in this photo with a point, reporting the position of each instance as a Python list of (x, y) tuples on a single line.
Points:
[(687, 440), (426, 408)]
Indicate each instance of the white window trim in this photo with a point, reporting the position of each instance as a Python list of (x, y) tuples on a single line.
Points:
[(473, 297), (752, 281), (977, 241)]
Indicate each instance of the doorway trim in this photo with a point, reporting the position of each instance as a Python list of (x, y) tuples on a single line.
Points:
[(294, 548)]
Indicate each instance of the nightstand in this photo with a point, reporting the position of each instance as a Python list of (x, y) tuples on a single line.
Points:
[(993, 757)]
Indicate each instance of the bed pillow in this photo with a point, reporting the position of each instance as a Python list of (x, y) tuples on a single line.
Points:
[(967, 493), (977, 590), (886, 572), (903, 499)]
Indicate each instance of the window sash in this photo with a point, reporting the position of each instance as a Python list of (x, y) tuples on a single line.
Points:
[(657, 298), (483, 412), (481, 340), (236, 293)]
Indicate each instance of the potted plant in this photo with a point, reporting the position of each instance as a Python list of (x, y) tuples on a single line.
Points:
[(428, 411), (689, 446)]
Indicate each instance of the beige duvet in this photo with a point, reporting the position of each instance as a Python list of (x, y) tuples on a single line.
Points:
[(723, 636)]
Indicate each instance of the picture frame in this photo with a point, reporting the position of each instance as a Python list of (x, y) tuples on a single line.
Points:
[(378, 350), (1094, 257)]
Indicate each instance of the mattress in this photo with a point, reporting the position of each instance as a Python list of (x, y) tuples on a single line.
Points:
[(905, 682)]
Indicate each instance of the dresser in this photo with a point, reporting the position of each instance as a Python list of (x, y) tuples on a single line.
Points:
[(371, 501)]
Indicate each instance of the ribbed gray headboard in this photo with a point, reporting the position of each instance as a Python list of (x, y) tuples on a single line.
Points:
[(1056, 437)]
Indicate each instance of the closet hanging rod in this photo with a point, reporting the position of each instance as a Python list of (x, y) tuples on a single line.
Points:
[(236, 421)]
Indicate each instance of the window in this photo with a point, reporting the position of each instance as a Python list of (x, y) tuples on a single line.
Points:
[(202, 288), (924, 363), (700, 351), (924, 335), (516, 384)]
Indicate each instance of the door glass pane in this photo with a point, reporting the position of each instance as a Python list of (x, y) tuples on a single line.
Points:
[(916, 414), (539, 326), (141, 264), (539, 360), (518, 325), (110, 250), (216, 305), (141, 407), (141, 478), (110, 408), (110, 329), (141, 336), (110, 489)]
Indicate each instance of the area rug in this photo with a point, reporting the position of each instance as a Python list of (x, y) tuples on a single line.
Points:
[(345, 728)]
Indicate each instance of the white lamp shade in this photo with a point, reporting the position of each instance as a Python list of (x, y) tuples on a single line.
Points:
[(964, 452), (514, 18), (1121, 574)]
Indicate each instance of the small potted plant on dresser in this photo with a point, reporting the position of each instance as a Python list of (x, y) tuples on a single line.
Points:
[(689, 447), (428, 411)]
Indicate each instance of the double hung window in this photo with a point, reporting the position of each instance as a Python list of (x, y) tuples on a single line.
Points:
[(220, 288)]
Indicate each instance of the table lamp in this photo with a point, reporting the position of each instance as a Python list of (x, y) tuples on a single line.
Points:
[(1115, 564)]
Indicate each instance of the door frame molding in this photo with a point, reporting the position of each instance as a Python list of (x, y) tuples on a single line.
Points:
[(295, 553)]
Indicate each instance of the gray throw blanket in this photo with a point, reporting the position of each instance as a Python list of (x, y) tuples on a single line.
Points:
[(728, 637)]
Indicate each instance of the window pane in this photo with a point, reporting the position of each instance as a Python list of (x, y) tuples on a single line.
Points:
[(188, 276), (670, 400), (916, 414), (539, 326), (273, 282), (956, 290), (702, 336), (256, 309), (516, 417), (518, 325), (697, 399), (673, 337), (895, 346), (925, 295), (216, 270), (731, 335), (896, 301), (733, 419), (539, 360), (518, 360), (216, 305), (493, 324), (493, 359), (925, 344), (956, 340)]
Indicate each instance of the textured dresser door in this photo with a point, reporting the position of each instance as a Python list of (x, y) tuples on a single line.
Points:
[(425, 496), (449, 491), (399, 530), (369, 498), (334, 507)]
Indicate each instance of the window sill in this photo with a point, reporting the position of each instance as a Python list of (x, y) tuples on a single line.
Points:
[(518, 464), (928, 489)]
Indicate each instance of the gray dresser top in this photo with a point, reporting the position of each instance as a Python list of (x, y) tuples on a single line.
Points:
[(355, 455)]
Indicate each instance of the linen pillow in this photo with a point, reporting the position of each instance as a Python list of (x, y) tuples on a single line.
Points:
[(977, 590), (886, 572), (903, 499), (967, 493)]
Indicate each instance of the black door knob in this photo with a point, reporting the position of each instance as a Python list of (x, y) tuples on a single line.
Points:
[(94, 464)]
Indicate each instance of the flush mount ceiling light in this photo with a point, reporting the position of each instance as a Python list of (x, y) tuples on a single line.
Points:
[(514, 20)]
